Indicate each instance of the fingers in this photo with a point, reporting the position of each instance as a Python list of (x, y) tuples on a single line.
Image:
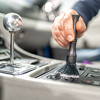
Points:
[(60, 40), (80, 27), (62, 29), (57, 33), (68, 28)]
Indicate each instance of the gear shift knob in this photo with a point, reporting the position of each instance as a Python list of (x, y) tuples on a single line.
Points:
[(12, 22)]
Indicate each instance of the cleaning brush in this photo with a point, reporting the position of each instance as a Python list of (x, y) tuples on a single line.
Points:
[(69, 69)]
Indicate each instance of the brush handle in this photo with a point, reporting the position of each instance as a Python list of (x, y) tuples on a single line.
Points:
[(71, 57), (75, 19)]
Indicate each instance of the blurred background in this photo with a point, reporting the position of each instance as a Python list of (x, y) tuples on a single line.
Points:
[(35, 35)]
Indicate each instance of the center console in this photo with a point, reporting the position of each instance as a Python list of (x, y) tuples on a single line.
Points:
[(30, 76)]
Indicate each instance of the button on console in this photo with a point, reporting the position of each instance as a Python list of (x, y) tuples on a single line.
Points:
[(87, 81)]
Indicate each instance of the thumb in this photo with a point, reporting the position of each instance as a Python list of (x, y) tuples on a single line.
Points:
[(80, 27)]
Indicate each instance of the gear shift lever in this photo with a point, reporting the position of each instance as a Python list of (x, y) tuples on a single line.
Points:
[(12, 22)]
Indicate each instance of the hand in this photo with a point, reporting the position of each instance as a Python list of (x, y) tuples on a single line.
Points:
[(62, 28)]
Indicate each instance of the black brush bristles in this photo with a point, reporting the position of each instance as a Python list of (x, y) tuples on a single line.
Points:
[(70, 71)]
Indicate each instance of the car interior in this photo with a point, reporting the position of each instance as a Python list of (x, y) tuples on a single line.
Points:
[(31, 62)]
